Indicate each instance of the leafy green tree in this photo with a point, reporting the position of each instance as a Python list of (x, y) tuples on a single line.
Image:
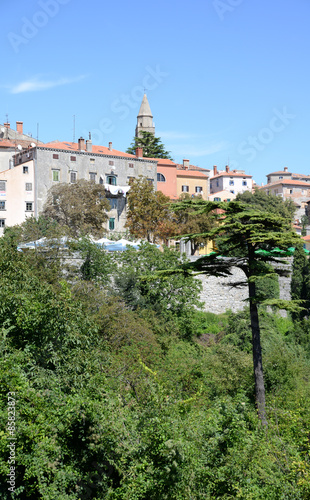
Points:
[(152, 146), (148, 214), (173, 298), (270, 203), (80, 207), (190, 222), (244, 232)]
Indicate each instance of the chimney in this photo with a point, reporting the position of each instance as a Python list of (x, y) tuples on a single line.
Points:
[(89, 145), (81, 144), (110, 146), (7, 125), (227, 168), (186, 164), (214, 170), (285, 169), (139, 152), (19, 127)]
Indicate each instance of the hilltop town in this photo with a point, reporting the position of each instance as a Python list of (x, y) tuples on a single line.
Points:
[(30, 168)]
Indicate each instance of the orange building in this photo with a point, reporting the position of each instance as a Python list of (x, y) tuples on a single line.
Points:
[(174, 179)]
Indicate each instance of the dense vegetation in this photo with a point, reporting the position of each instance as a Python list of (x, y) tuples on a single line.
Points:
[(126, 390)]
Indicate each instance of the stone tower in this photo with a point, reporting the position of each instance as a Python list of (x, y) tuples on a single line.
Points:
[(145, 118)]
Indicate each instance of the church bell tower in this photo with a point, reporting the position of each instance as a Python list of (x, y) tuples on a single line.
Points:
[(145, 118)]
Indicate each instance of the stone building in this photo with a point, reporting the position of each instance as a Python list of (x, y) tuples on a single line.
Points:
[(24, 187), (289, 185), (13, 141)]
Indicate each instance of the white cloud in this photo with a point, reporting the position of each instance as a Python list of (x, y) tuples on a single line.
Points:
[(37, 84)]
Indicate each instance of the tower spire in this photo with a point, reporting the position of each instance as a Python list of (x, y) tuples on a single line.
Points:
[(145, 118)]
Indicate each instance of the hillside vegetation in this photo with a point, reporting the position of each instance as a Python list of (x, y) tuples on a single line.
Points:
[(126, 390)]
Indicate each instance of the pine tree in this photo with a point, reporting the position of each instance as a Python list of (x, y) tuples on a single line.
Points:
[(247, 237), (152, 146), (300, 281)]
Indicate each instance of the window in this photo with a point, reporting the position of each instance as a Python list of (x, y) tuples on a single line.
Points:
[(73, 158), (55, 157), (2, 222), (29, 206), (111, 223), (113, 203), (217, 183), (291, 191), (111, 179), (55, 175), (160, 177), (92, 160), (130, 179), (2, 186), (217, 199), (72, 177), (130, 165), (198, 189), (92, 176), (231, 182), (25, 170), (280, 176), (28, 186), (244, 183), (111, 163), (232, 191), (2, 205), (185, 189), (150, 181)]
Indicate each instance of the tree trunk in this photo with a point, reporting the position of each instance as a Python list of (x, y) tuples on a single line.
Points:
[(257, 357)]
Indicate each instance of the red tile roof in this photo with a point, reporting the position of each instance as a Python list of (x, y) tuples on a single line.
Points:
[(287, 182), (191, 173), (74, 147), (8, 143), (166, 162), (280, 172), (229, 174)]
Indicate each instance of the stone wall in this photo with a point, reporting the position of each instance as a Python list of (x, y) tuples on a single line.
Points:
[(218, 294)]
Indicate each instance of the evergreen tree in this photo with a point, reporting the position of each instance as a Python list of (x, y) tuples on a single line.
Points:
[(247, 236), (300, 281), (152, 146)]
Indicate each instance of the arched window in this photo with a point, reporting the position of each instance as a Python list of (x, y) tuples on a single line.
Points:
[(161, 177)]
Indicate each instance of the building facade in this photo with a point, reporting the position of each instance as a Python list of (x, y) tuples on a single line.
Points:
[(174, 179), (233, 181), (290, 185), (12, 142), (24, 187)]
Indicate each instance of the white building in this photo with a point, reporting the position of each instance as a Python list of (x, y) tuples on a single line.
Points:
[(231, 181)]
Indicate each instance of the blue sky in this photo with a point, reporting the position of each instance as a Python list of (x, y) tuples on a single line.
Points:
[(227, 80)]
